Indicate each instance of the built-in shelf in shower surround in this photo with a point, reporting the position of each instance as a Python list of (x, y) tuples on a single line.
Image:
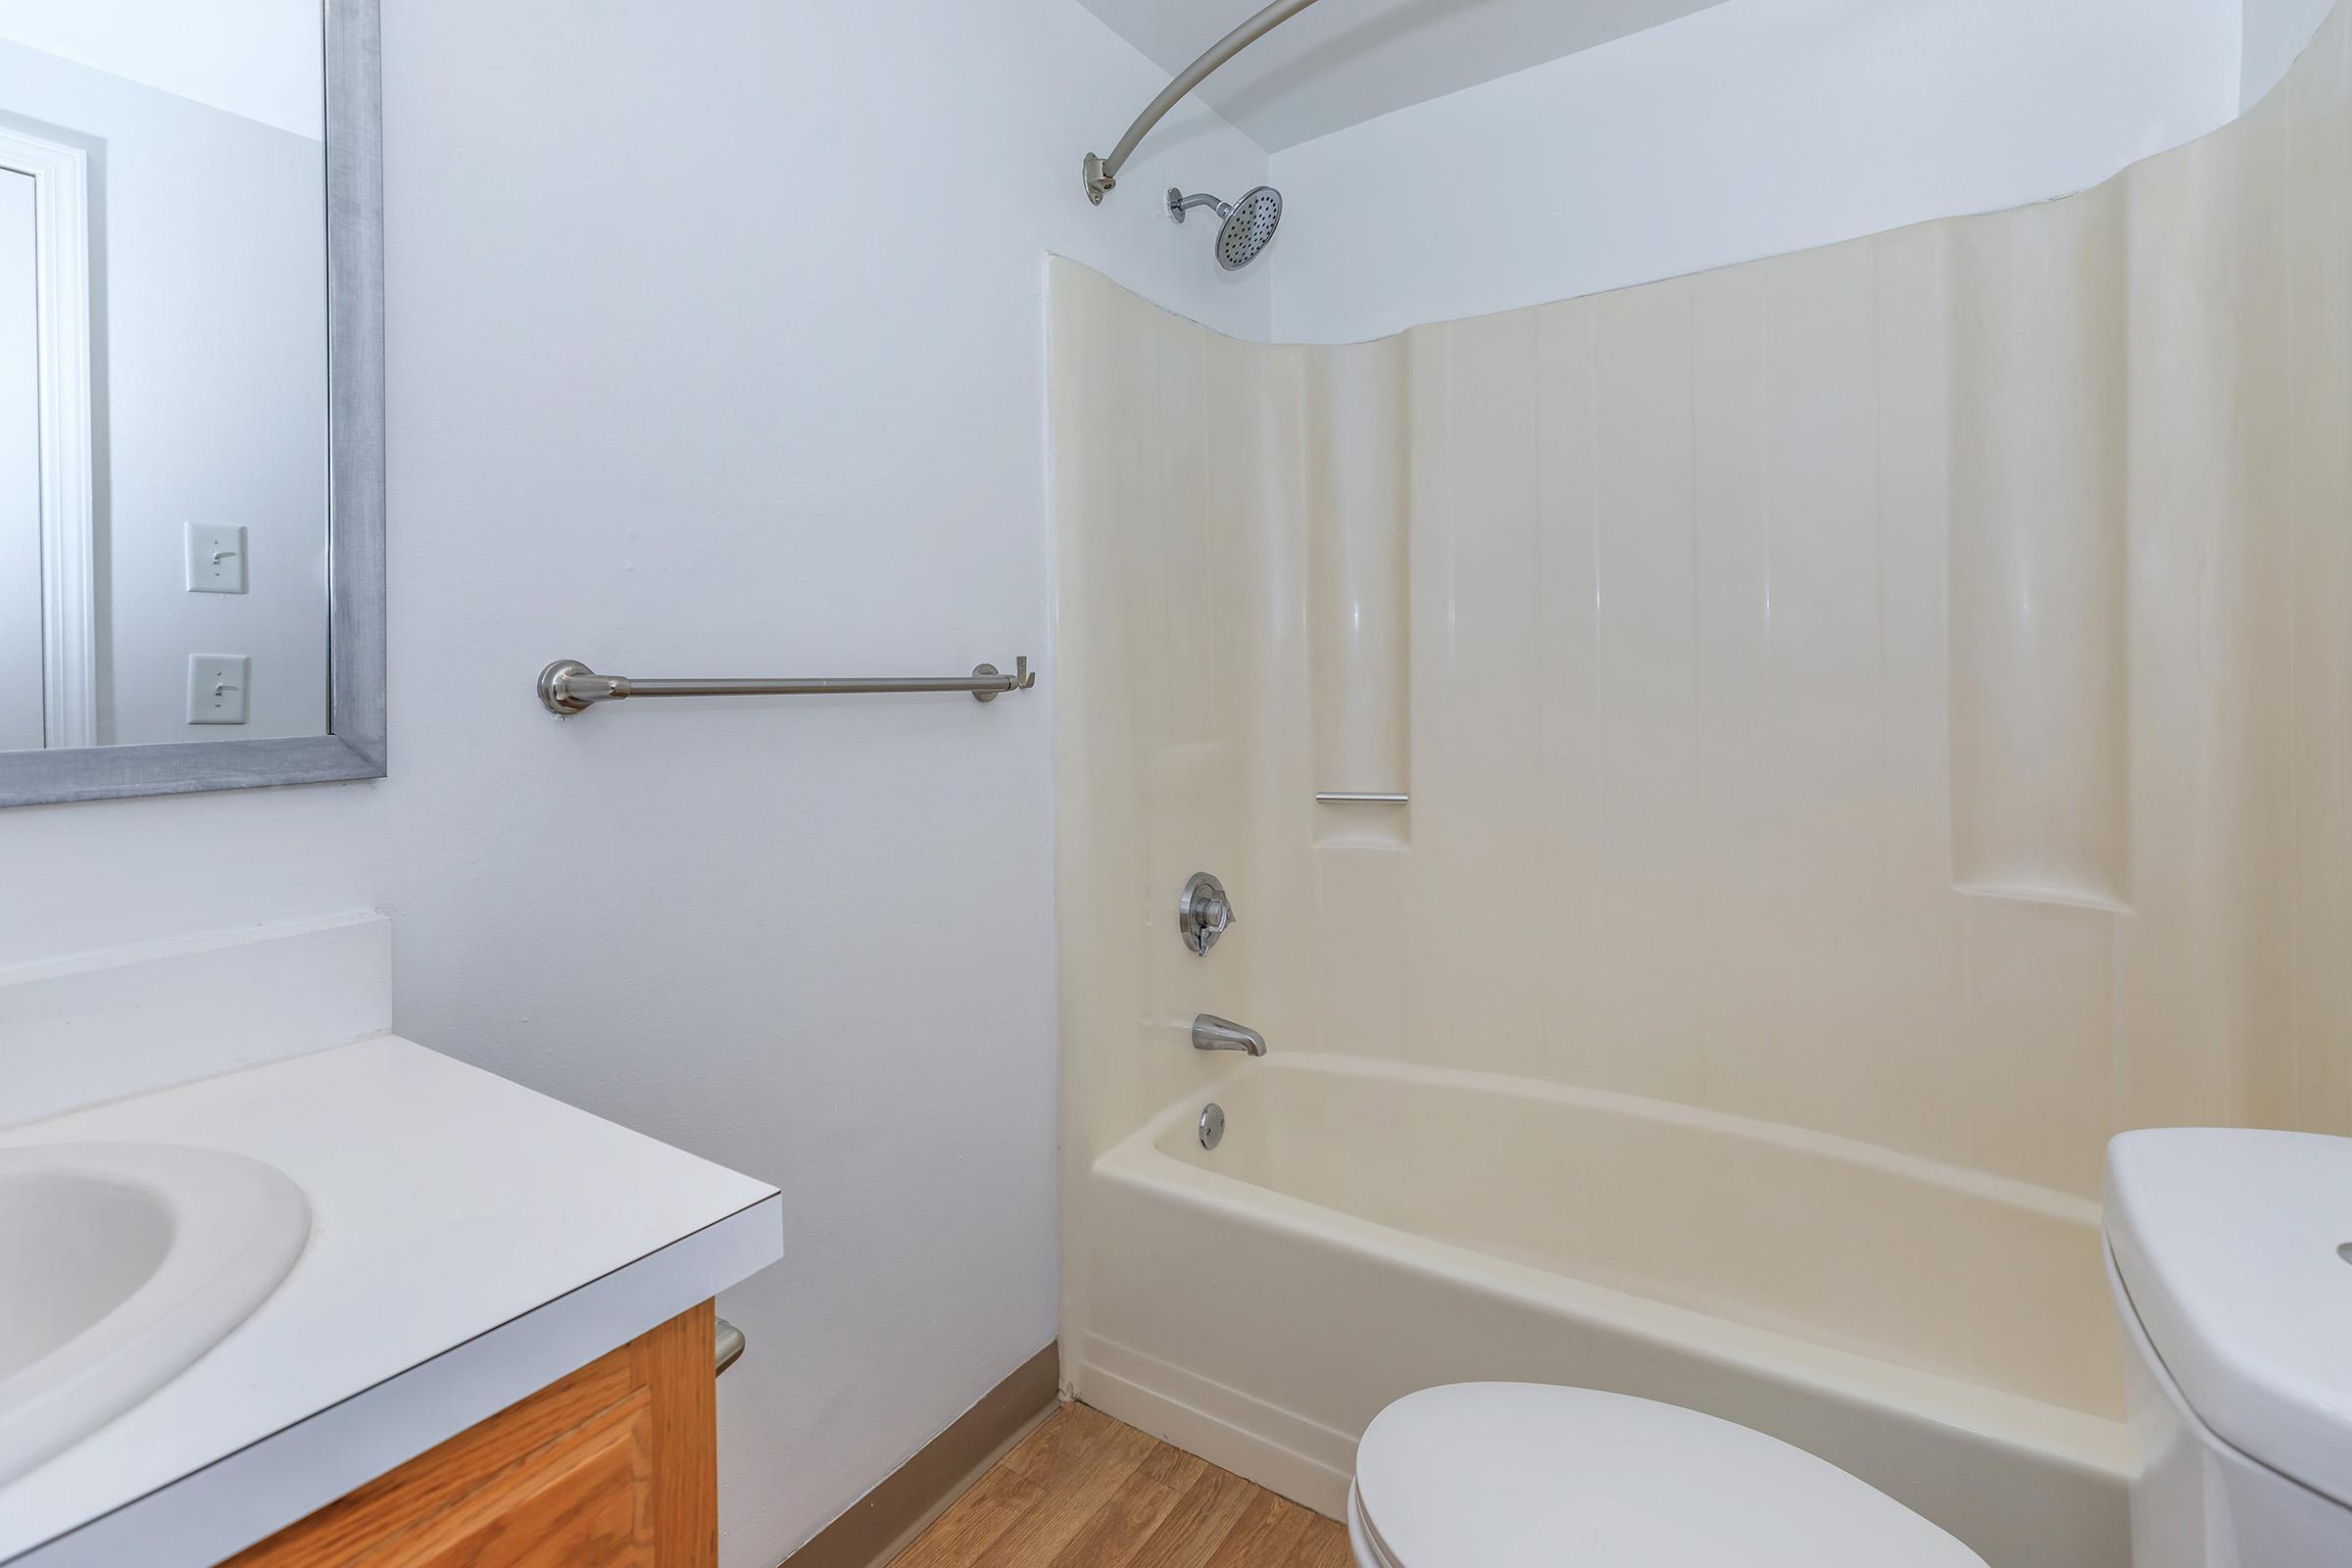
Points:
[(1357, 438), (2040, 755)]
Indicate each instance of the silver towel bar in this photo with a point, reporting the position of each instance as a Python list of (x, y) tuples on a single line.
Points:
[(568, 686), (1354, 798)]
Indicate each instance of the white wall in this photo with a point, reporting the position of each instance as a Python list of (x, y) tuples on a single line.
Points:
[(2275, 33), (717, 345), (1749, 129), (114, 872), (255, 58)]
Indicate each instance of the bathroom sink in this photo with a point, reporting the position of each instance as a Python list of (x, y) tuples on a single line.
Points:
[(120, 1265)]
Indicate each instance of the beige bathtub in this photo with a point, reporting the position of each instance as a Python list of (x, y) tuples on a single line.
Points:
[(1366, 1229)]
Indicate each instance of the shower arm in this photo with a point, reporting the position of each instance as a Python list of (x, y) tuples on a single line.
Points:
[(1180, 204), (1103, 173)]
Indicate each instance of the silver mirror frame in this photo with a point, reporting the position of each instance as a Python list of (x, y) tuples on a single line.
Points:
[(354, 746)]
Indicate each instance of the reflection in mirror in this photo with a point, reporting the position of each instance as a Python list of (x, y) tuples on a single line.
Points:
[(162, 371)]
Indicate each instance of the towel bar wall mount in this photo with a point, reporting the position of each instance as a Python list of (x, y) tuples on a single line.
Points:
[(569, 687)]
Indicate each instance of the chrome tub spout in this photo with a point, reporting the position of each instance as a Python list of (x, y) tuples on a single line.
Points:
[(1212, 1032)]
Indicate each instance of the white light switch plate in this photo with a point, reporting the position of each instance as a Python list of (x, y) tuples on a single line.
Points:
[(219, 688), (216, 558)]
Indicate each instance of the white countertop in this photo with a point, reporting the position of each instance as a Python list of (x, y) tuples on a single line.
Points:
[(472, 1241)]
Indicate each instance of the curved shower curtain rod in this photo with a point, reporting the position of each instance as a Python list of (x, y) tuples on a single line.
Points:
[(1103, 173)]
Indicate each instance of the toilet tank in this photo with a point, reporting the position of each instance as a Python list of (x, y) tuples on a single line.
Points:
[(2223, 1251)]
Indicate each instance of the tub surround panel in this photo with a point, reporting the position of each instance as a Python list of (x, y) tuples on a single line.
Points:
[(2316, 412), (1470, 679), (1703, 873), (1358, 428), (2217, 816), (1680, 742), (1193, 611), (1836, 690), (2039, 490)]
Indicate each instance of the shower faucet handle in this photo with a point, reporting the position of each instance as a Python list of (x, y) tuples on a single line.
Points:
[(1215, 913), (1204, 913)]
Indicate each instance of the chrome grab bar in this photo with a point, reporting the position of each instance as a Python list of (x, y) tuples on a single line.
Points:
[(568, 686), (1359, 798)]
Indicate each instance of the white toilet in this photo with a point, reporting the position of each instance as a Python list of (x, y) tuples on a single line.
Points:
[(2227, 1253), (1527, 1475), (2231, 1255)]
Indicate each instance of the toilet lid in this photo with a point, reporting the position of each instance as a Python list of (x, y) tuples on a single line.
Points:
[(1513, 1475)]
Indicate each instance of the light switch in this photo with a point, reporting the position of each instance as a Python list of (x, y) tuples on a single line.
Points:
[(219, 688), (216, 558)]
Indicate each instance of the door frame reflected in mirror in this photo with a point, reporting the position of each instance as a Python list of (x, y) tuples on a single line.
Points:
[(355, 745), (64, 491)]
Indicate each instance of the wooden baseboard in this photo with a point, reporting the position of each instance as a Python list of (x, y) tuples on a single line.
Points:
[(882, 1523)]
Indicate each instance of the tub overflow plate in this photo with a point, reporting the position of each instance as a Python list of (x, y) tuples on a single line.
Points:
[(1212, 1125)]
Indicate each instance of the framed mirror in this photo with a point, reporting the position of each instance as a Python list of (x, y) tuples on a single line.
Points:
[(191, 396)]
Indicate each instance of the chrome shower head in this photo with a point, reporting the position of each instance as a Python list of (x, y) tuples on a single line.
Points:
[(1248, 223)]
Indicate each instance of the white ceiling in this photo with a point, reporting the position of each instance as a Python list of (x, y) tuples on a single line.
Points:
[(255, 58), (1342, 62)]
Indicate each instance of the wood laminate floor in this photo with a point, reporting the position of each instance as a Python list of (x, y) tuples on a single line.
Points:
[(1085, 1491)]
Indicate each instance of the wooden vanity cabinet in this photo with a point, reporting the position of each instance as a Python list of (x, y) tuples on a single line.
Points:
[(613, 1466)]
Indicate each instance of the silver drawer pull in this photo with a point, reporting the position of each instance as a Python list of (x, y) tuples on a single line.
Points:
[(727, 1343)]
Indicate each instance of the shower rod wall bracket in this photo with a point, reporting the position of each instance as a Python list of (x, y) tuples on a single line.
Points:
[(1103, 173), (567, 686)]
